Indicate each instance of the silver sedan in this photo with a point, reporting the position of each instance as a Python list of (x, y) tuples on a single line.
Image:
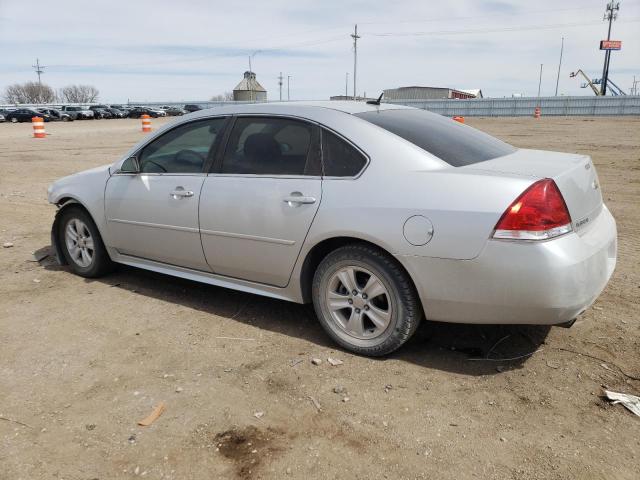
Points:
[(378, 214)]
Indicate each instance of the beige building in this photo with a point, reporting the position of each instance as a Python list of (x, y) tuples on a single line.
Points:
[(249, 89)]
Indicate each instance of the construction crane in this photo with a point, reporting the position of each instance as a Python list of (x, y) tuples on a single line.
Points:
[(615, 89), (589, 83)]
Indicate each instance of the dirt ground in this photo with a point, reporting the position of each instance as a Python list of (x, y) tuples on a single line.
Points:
[(82, 361)]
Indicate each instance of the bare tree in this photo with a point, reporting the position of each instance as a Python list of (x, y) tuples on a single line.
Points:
[(79, 94), (29, 92), (223, 97)]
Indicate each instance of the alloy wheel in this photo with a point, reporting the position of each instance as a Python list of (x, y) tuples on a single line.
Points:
[(359, 302), (79, 242)]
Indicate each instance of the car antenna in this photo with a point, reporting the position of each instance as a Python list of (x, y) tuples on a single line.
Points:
[(375, 102)]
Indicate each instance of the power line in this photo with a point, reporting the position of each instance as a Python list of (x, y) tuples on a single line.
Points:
[(488, 30)]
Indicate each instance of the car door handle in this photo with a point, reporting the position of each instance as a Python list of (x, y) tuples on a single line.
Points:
[(181, 193), (299, 199)]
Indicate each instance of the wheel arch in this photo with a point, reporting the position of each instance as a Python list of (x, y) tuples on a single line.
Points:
[(323, 248), (63, 204)]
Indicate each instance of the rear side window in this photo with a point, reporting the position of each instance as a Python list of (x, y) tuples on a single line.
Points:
[(270, 146), (183, 149), (456, 144), (339, 159)]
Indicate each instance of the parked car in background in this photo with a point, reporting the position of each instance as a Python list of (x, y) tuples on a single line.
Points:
[(189, 107), (78, 113), (116, 113), (379, 215), (175, 111), (137, 112), (25, 115), (100, 111), (2, 119), (56, 115)]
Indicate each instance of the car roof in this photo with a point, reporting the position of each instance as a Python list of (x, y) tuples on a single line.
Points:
[(292, 108)]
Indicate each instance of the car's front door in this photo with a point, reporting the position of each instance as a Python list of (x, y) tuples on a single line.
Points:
[(257, 206), (153, 214)]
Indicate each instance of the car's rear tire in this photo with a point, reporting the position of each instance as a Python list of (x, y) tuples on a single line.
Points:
[(365, 301), (14, 120), (82, 244)]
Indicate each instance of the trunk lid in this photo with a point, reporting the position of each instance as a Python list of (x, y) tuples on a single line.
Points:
[(574, 174)]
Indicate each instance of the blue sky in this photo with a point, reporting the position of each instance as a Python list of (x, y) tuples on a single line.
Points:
[(177, 51)]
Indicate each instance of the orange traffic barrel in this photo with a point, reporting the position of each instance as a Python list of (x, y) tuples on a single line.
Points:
[(146, 123), (536, 112), (38, 127), (459, 119)]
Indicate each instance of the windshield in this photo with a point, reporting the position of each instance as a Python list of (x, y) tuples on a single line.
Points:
[(456, 144)]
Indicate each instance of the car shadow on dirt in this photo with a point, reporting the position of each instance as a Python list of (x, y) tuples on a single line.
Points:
[(459, 348)]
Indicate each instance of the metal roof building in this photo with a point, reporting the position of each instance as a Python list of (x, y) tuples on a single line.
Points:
[(249, 89), (424, 93)]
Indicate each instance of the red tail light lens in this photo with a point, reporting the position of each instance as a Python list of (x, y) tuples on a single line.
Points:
[(539, 213)]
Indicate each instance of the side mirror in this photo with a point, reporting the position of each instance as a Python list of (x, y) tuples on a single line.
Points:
[(130, 165)]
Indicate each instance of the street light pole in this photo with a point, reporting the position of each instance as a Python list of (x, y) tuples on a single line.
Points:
[(539, 82), (288, 91), (559, 66)]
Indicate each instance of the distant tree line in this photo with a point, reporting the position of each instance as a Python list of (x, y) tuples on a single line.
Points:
[(223, 97), (34, 92)]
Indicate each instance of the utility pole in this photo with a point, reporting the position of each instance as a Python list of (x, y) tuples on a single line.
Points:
[(634, 88), (346, 86), (288, 91), (559, 66), (539, 83), (280, 84), (39, 70), (355, 37), (249, 81), (610, 14)]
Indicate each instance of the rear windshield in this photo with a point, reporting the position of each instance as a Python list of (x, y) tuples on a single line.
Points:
[(456, 144)]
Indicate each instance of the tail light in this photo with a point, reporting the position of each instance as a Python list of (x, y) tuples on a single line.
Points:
[(539, 213)]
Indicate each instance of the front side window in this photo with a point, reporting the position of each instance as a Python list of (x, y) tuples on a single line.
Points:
[(339, 159), (270, 146), (183, 149), (456, 144)]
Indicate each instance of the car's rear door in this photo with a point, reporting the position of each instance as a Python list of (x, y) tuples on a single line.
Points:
[(153, 214), (258, 204)]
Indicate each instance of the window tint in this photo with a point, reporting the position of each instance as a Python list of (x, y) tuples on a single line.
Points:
[(270, 146), (456, 144), (339, 159), (183, 149)]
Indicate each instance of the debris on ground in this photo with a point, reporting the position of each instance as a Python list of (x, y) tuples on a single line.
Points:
[(630, 402), (7, 244), (316, 361), (339, 389), (179, 389), (334, 362), (153, 416), (258, 414), (315, 403)]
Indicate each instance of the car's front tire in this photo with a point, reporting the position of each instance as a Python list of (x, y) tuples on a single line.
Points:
[(365, 301), (82, 244)]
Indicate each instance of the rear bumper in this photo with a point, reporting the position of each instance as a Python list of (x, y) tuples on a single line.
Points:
[(541, 283)]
